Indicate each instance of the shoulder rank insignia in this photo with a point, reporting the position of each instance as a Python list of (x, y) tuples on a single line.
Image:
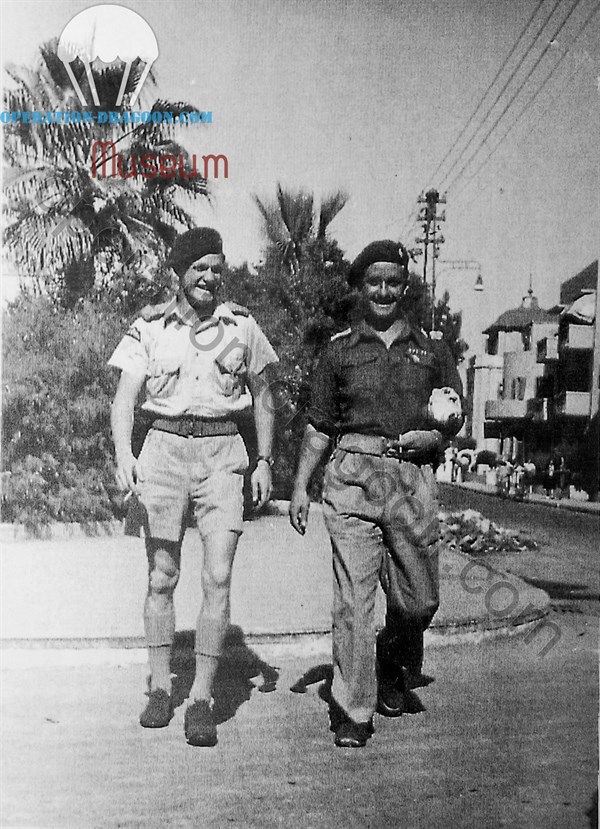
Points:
[(154, 312), (238, 309), (340, 334)]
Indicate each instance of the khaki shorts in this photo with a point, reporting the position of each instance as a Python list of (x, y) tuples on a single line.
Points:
[(208, 471)]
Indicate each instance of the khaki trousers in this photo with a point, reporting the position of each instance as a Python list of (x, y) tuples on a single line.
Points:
[(381, 514)]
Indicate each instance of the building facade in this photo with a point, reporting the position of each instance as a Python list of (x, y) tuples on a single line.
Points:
[(545, 408)]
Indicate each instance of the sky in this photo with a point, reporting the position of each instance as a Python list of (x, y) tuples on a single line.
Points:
[(369, 97)]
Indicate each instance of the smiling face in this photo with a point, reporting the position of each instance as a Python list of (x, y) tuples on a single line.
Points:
[(202, 280), (382, 288)]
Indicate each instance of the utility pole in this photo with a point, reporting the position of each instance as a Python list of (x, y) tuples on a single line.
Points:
[(431, 236), (595, 387)]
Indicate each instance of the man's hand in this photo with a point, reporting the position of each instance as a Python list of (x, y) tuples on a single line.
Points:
[(261, 484), (298, 512), (128, 474), (421, 440)]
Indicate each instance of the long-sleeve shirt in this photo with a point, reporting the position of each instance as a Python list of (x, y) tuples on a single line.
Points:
[(359, 385)]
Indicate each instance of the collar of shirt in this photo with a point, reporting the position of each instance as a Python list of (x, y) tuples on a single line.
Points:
[(363, 331), (185, 314)]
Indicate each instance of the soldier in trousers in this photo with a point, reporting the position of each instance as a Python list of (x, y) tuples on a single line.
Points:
[(373, 397), (202, 363)]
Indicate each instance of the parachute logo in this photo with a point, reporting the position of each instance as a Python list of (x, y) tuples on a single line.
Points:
[(108, 33)]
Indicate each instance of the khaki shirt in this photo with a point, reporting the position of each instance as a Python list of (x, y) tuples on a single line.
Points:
[(195, 369)]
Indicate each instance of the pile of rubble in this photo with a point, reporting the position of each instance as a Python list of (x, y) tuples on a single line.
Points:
[(473, 533)]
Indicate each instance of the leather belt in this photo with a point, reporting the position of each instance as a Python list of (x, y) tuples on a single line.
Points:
[(382, 447), (195, 427)]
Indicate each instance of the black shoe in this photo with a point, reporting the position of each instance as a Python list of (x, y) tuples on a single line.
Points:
[(391, 698), (199, 724), (353, 734), (159, 711)]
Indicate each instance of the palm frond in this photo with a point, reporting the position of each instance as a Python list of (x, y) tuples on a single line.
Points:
[(297, 213), (331, 205)]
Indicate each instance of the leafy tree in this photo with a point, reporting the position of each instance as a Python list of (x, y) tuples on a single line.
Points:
[(57, 390), (69, 230), (292, 221)]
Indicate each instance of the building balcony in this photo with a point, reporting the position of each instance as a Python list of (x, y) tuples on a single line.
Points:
[(547, 350), (578, 337), (573, 404), (540, 409), (505, 409)]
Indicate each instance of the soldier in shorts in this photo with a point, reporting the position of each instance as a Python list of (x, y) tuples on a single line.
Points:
[(202, 362), (371, 396)]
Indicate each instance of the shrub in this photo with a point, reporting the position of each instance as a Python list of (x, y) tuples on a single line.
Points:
[(486, 457), (56, 410)]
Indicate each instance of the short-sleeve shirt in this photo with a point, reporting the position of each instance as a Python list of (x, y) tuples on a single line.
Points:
[(195, 369), (361, 386)]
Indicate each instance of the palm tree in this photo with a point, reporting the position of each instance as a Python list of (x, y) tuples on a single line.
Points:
[(68, 229), (291, 221)]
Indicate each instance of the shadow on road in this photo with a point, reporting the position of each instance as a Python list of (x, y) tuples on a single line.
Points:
[(592, 812), (562, 590), (238, 666), (324, 674)]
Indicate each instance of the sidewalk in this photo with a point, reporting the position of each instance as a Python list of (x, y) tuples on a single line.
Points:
[(85, 593), (592, 508)]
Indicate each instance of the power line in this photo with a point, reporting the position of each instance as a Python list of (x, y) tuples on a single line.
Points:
[(412, 215), (503, 90), (487, 91), (578, 69), (532, 99), (507, 107)]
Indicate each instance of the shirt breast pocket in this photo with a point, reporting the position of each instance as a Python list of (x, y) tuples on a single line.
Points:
[(360, 371), (231, 371), (419, 372), (163, 374)]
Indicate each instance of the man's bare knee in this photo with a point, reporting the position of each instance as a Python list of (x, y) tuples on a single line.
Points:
[(164, 573), (216, 579)]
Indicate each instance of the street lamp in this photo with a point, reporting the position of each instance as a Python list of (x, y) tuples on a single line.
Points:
[(464, 265)]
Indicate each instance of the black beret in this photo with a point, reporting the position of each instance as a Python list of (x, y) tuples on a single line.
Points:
[(382, 251), (193, 245)]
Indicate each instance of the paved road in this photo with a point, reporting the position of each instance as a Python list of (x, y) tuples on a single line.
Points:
[(508, 740), (565, 566)]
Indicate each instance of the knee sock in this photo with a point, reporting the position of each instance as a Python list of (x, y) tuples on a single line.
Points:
[(206, 667), (209, 644), (159, 658), (160, 632)]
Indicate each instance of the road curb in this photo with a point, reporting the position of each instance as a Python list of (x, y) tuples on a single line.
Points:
[(15, 654), (566, 505)]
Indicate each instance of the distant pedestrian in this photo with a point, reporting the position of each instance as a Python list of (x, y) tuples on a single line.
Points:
[(564, 479), (502, 479), (530, 472), (550, 478)]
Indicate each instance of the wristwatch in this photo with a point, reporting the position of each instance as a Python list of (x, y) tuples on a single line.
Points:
[(266, 458)]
